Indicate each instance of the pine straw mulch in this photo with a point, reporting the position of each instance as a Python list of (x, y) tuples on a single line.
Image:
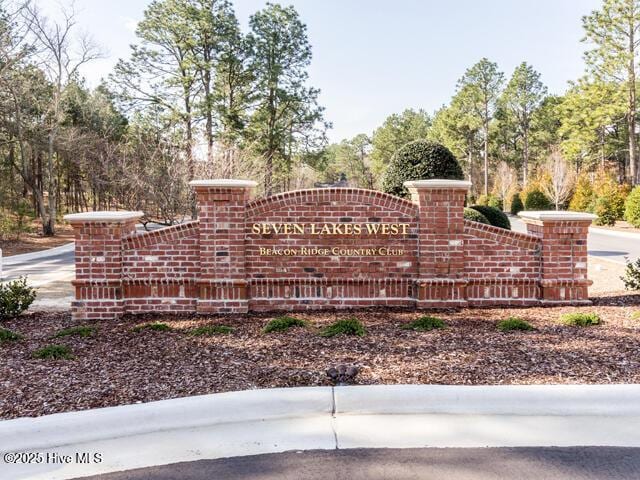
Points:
[(117, 366), (34, 241)]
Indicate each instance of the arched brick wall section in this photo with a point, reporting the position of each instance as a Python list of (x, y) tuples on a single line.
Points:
[(309, 280)]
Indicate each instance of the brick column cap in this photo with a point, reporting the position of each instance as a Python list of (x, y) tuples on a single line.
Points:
[(439, 184), (556, 216), (103, 217), (223, 182)]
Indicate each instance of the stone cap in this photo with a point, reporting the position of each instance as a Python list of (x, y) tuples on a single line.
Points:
[(103, 217), (557, 216), (439, 183), (223, 182)]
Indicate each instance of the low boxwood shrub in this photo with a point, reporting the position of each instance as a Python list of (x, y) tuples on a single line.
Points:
[(632, 207), (53, 352), (514, 323), (280, 324), (516, 204), (155, 326), (424, 324), (631, 276), (210, 330), (348, 326), (580, 319), (536, 200), (82, 331), (419, 160), (15, 297), (7, 335), (475, 216), (496, 217)]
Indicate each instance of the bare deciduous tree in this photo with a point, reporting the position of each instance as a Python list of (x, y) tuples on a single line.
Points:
[(558, 178)]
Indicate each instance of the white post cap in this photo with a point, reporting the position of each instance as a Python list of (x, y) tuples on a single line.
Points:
[(103, 217), (439, 183), (556, 216), (223, 182)]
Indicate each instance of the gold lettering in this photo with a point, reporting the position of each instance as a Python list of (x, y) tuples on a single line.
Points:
[(298, 228)]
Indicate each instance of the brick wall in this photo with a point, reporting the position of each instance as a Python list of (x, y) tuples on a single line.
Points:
[(233, 260)]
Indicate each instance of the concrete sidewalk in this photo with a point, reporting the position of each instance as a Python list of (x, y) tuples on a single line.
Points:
[(276, 420)]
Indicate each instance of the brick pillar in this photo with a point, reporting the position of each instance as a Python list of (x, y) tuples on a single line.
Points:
[(441, 281), (221, 210), (98, 283), (564, 254)]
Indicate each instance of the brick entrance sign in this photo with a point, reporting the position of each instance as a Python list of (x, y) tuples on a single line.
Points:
[(325, 248)]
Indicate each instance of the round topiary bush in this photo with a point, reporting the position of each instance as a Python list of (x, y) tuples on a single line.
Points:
[(536, 200), (516, 204), (496, 217), (632, 207), (475, 216), (420, 160)]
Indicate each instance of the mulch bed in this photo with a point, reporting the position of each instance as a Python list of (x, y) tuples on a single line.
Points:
[(117, 366)]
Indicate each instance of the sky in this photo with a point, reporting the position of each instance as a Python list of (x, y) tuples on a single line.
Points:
[(373, 58)]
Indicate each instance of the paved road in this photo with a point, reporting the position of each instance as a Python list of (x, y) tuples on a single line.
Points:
[(576, 463), (56, 266), (607, 245)]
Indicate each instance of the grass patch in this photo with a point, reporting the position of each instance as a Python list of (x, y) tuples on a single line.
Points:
[(209, 330), (53, 352), (348, 326), (580, 319), (424, 324), (83, 331), (514, 323), (155, 326), (281, 324), (7, 335)]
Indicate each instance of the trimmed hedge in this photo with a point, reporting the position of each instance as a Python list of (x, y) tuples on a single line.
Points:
[(496, 217), (536, 200), (420, 160), (632, 207), (516, 204), (475, 216)]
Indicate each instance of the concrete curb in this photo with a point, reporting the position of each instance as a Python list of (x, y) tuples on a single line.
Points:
[(181, 413), (276, 420)]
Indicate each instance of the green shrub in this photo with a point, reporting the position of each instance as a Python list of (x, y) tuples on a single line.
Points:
[(631, 276), (516, 204), (54, 352), (496, 217), (580, 319), (632, 207), (210, 330), (514, 323), (475, 216), (490, 200), (15, 298), (419, 160), (155, 326), (536, 200), (281, 324), (348, 326), (9, 336), (424, 324), (606, 210), (582, 197), (83, 331)]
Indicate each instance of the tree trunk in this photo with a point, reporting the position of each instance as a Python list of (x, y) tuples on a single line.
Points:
[(486, 159), (525, 159), (633, 167)]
